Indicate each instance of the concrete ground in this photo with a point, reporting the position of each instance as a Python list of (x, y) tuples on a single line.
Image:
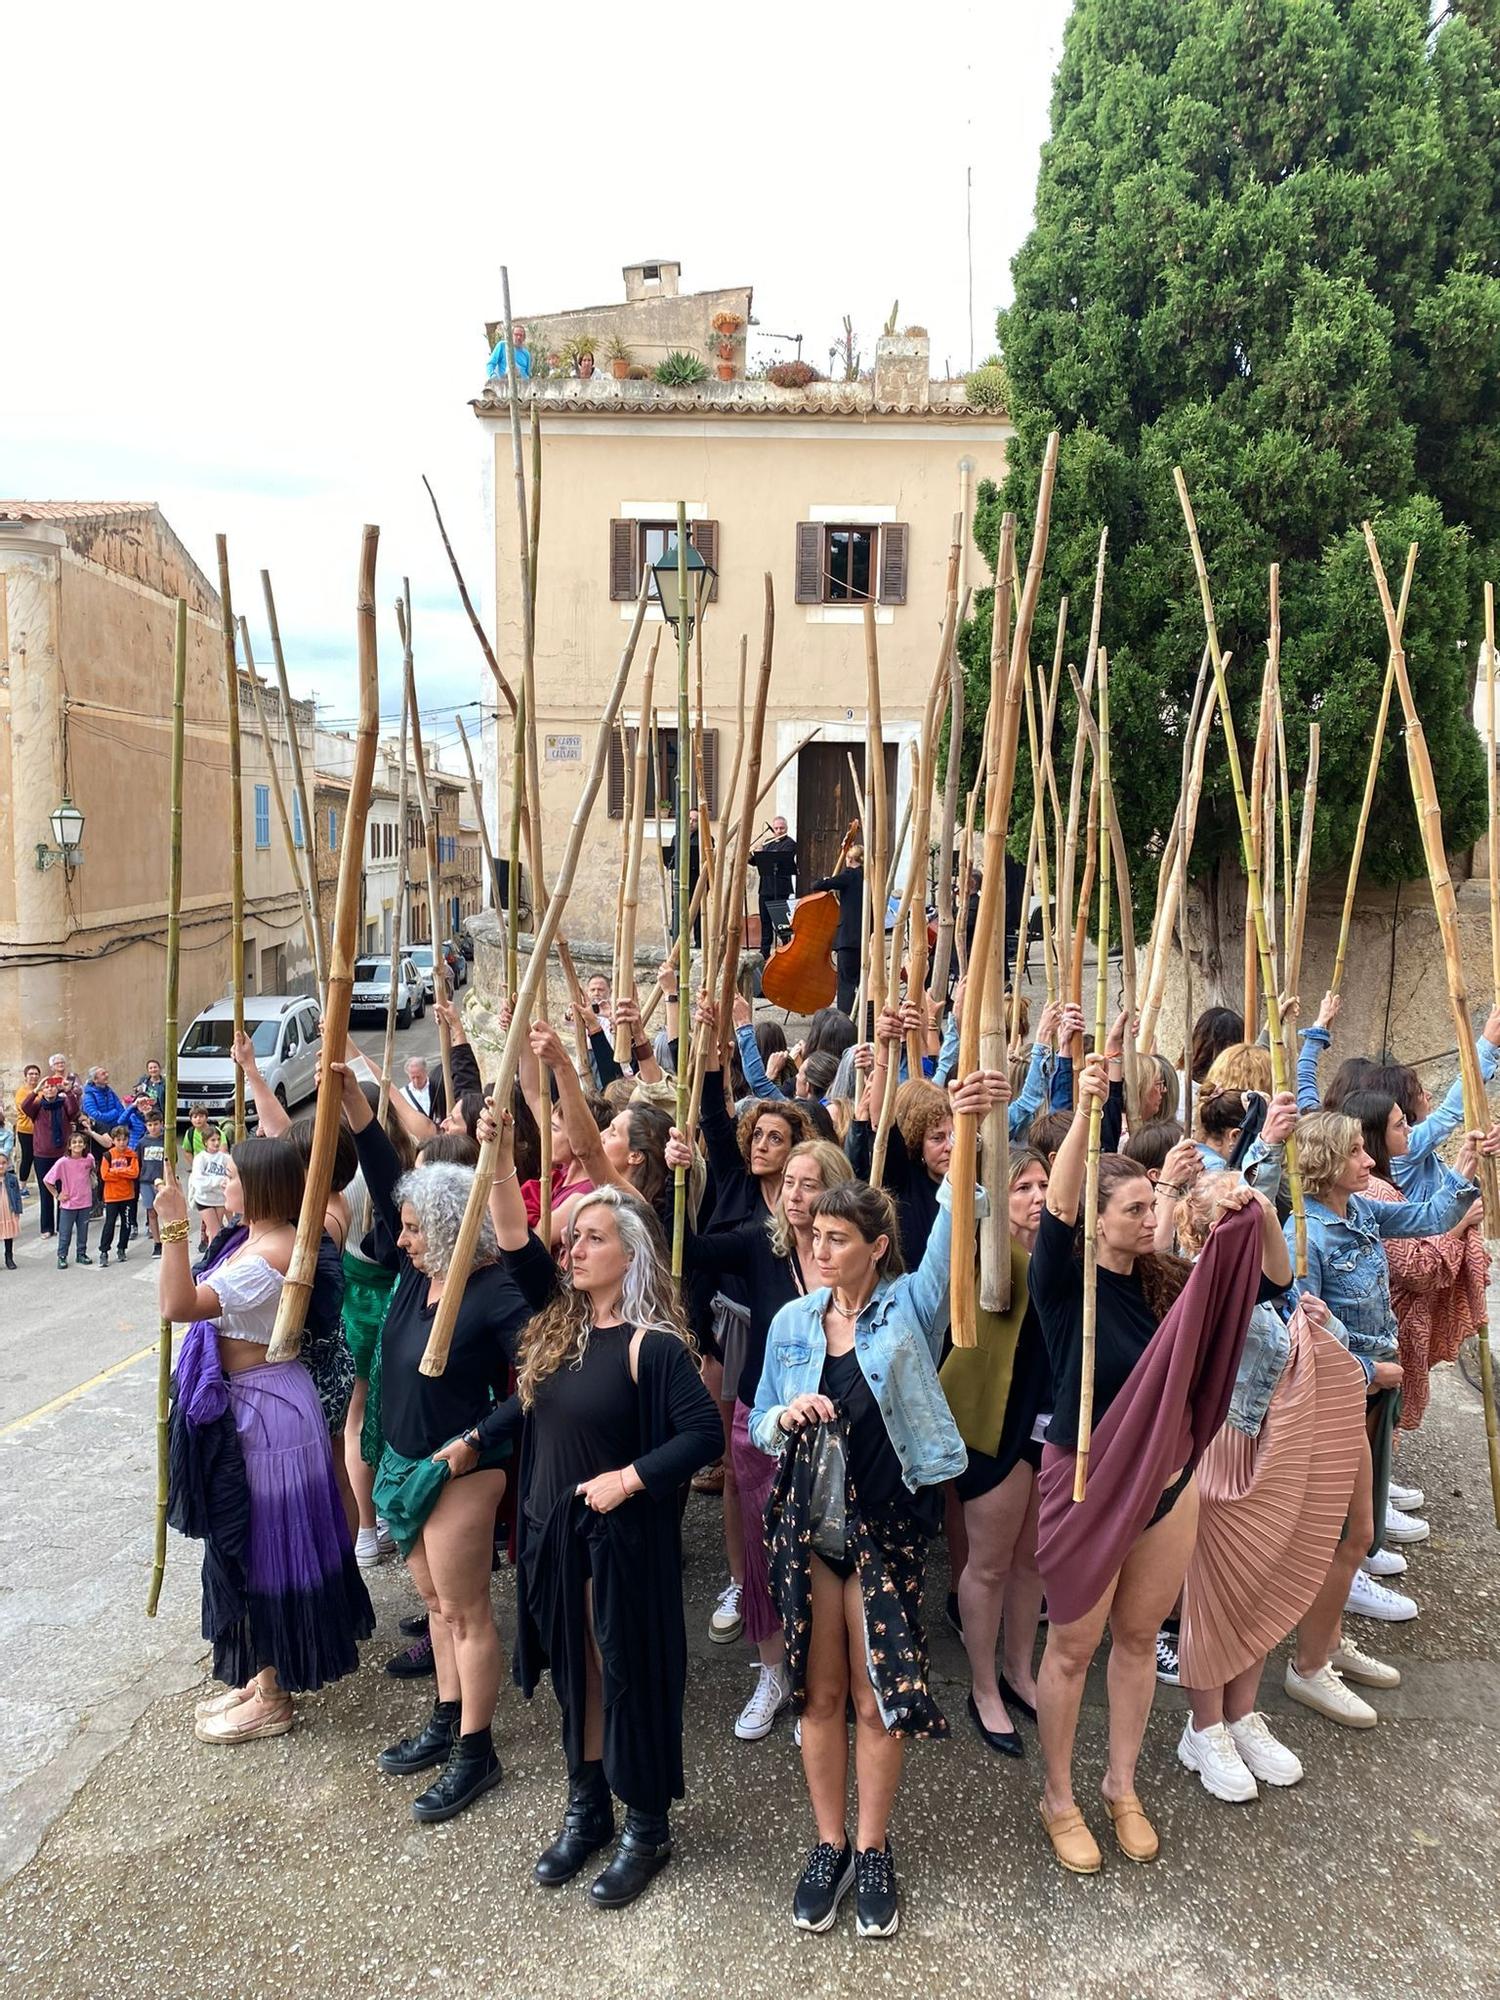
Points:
[(142, 1863)]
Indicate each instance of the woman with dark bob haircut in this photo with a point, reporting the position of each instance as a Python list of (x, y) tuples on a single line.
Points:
[(251, 1468)]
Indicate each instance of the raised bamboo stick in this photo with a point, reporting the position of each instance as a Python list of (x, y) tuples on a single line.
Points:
[(535, 545), (478, 797), (1297, 923), (877, 797), (1034, 844), (1165, 868), (965, 870), (916, 900), (435, 1356), (296, 1291), (887, 1109), (624, 1033), (399, 916), (299, 785), (282, 815), (480, 634), (236, 830), (1068, 862), (1174, 908), (1283, 769), (1091, 1168), (1492, 787), (627, 820), (661, 865), (513, 852), (942, 951), (1081, 917), (1259, 763), (749, 800), (169, 1108), (1110, 816), (429, 834)]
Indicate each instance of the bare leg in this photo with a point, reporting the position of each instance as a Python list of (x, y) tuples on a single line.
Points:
[(1145, 1592), (341, 1479), (1060, 1683), (878, 1755), (993, 1523), (361, 1476), (458, 1539), (825, 1733), (1321, 1629), (444, 1660), (1022, 1611), (1240, 1693), (955, 1533)]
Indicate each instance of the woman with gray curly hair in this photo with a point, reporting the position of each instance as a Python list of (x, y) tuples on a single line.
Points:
[(437, 1485)]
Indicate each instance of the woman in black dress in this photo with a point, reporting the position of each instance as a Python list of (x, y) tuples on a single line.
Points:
[(613, 1422)]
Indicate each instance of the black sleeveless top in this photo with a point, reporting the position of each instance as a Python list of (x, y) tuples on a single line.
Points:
[(586, 1420)]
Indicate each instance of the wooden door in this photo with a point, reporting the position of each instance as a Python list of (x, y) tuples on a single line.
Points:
[(826, 803)]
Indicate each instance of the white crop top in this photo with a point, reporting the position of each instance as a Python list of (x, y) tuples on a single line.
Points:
[(249, 1292)]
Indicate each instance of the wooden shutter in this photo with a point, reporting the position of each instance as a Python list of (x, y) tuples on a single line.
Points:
[(711, 770), (704, 536), (809, 563), (616, 801), (624, 577), (893, 563)]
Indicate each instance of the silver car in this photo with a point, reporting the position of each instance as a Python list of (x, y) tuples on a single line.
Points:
[(372, 990)]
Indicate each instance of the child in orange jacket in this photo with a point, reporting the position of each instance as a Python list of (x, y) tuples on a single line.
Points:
[(120, 1169)]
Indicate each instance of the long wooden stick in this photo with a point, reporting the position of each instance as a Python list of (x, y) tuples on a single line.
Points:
[(236, 830), (291, 1310), (435, 1355), (1492, 787), (299, 785), (749, 800), (661, 864), (478, 797), (528, 530), (1260, 762), (1297, 922), (282, 815), (684, 852), (877, 797), (513, 852), (399, 915), (1091, 1170), (480, 634), (624, 1032), (169, 1108), (916, 901), (1173, 909), (887, 1110), (429, 834), (1065, 873), (1120, 891), (965, 871)]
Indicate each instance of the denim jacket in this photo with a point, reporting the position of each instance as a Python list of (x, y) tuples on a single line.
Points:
[(1346, 1263), (897, 1337), (1418, 1173), (1268, 1347)]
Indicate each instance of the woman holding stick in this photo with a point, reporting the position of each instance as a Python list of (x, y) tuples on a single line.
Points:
[(251, 1469), (440, 1481), (1119, 1556), (613, 1422), (850, 1380)]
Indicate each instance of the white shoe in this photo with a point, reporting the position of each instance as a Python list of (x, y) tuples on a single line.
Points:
[(727, 1620), (1384, 1562), (385, 1541), (1262, 1755), (1401, 1527), (770, 1697), (1355, 1665), (1369, 1599), (367, 1548), (1405, 1497), (797, 1732), (1325, 1692), (1212, 1754)]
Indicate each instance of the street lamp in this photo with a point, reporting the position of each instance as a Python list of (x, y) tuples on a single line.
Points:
[(67, 832), (674, 590)]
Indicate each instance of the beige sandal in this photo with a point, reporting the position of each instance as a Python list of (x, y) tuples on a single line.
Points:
[(235, 1725), (1135, 1836), (220, 1704), (1072, 1843)]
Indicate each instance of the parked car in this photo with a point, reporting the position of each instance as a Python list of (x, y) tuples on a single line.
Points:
[(372, 990), (421, 957), (286, 1032)]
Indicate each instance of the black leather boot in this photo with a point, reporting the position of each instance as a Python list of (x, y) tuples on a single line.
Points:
[(472, 1768), (588, 1825), (431, 1746), (645, 1849)]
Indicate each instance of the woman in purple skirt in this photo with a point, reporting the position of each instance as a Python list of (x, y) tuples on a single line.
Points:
[(251, 1469)]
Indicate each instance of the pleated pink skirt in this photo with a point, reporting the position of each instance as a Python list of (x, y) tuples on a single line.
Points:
[(1271, 1511)]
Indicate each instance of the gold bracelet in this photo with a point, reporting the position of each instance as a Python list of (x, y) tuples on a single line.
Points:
[(174, 1232)]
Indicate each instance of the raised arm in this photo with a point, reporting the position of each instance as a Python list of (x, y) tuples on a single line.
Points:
[(272, 1113), (584, 1136), (1065, 1183), (927, 1288)]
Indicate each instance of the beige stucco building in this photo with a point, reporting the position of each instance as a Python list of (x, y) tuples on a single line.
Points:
[(88, 592), (834, 490)]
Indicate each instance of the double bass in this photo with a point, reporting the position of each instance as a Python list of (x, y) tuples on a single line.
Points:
[(799, 975)]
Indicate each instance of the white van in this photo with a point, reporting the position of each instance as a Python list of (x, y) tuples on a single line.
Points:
[(286, 1032)]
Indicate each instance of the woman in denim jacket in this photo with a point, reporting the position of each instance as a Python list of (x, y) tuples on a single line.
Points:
[(862, 1348)]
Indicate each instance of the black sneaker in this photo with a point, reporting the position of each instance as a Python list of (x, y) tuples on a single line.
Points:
[(412, 1662), (1166, 1657), (103, 1260), (876, 1911), (826, 1881), (81, 1258), (414, 1625), (156, 1250)]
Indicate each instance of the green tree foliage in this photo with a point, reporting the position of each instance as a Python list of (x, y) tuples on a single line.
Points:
[(1267, 247)]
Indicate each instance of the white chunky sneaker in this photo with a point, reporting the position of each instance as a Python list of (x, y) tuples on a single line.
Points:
[(1212, 1754), (1404, 1497), (1369, 1599), (366, 1548), (770, 1697), (1401, 1527), (385, 1541), (1363, 1667), (1384, 1563), (1262, 1755), (727, 1620), (1325, 1692)]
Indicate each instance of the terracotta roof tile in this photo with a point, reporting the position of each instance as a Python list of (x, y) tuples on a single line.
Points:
[(71, 510)]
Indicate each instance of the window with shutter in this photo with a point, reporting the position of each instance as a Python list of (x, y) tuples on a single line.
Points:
[(661, 781), (624, 574), (704, 536), (893, 563), (809, 563)]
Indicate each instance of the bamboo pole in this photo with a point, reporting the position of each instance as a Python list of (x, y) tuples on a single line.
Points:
[(478, 797), (535, 418), (1260, 760), (965, 869), (916, 901), (1091, 1169), (1297, 922), (236, 830), (1065, 873), (291, 1310), (399, 919), (749, 800), (1371, 776), (283, 816), (942, 952), (1492, 788), (684, 852), (661, 865), (1284, 778), (627, 821), (435, 1356), (864, 886), (1033, 847), (1194, 758), (1232, 750), (169, 1108), (299, 784), (887, 1111), (1081, 917), (877, 796), (1120, 893), (507, 691), (429, 833), (624, 1034), (517, 813)]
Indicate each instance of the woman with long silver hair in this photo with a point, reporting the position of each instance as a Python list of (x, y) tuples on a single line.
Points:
[(613, 1422)]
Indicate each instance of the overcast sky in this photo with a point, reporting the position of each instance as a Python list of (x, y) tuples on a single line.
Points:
[(250, 250)]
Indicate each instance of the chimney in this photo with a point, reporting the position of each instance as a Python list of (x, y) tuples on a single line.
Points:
[(902, 372), (651, 281)]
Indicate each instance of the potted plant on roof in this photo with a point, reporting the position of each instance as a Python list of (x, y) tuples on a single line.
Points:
[(728, 326), (619, 356)]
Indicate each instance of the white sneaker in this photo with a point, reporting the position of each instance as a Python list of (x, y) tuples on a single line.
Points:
[(770, 1697), (385, 1541), (367, 1548), (797, 1732), (1212, 1754), (1369, 1599), (1405, 1497), (1325, 1692), (1384, 1562), (1401, 1527), (1262, 1755), (1363, 1667), (727, 1620)]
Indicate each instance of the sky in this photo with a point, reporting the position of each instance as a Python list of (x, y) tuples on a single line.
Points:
[(251, 250)]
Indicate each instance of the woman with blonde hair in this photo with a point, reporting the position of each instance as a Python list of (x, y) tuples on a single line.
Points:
[(613, 1422)]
